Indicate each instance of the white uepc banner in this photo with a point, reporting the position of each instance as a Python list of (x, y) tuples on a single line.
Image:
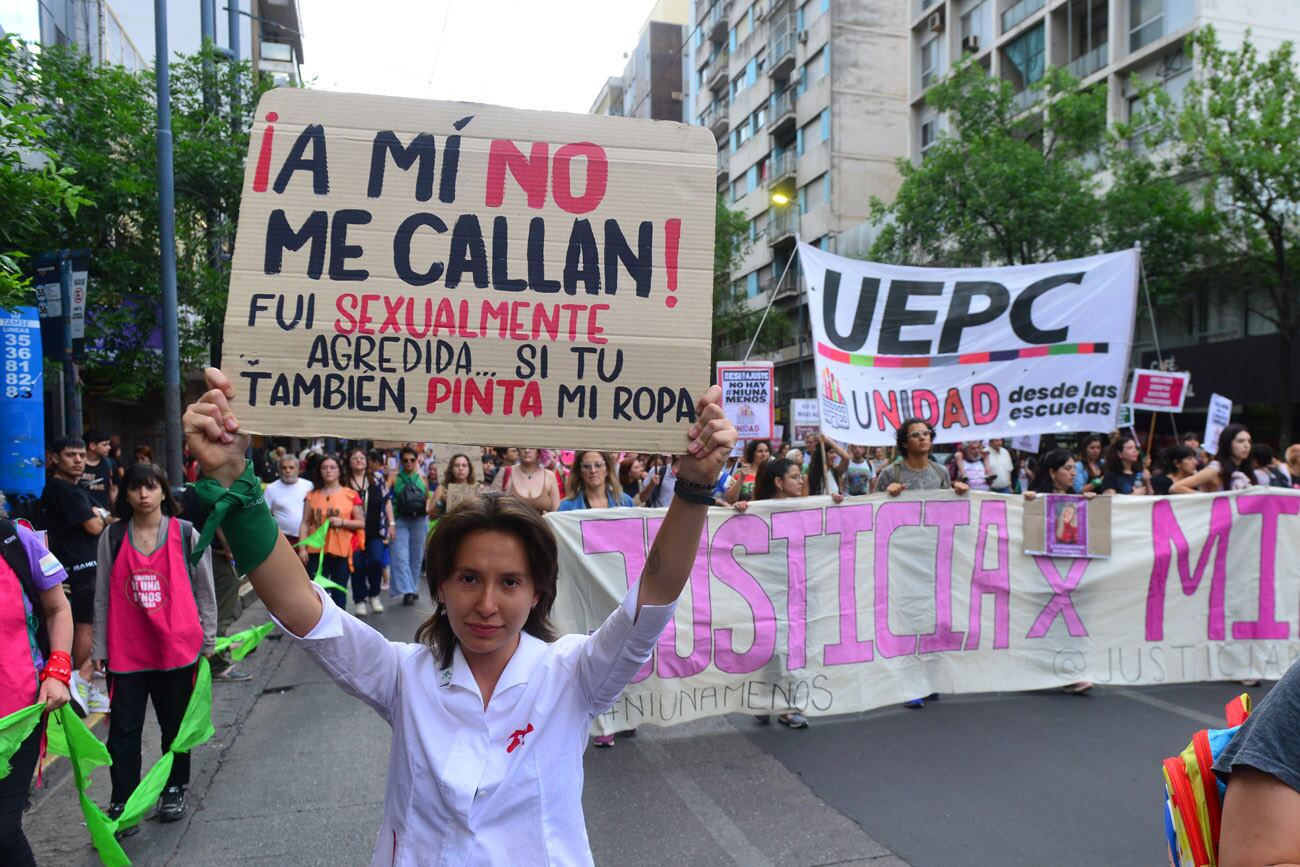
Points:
[(976, 352)]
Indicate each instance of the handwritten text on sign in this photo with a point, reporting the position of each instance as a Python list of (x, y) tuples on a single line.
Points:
[(440, 271), (838, 609)]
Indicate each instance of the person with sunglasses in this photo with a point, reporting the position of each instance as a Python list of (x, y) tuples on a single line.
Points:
[(410, 496), (916, 470)]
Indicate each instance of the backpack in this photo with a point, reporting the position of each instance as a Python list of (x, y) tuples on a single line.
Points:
[(1194, 795), (11, 548), (409, 502)]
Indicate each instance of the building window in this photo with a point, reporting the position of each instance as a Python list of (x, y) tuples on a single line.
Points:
[(1146, 20), (931, 61), (826, 125), (738, 189), (975, 29), (1025, 58), (751, 284), (929, 134)]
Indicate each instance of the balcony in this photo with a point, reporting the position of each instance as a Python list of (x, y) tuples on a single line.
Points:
[(1020, 12), (1086, 64), (782, 225), (724, 164), (774, 7), (782, 170), (780, 116), (717, 118), (714, 24), (1026, 98), (719, 70), (780, 53)]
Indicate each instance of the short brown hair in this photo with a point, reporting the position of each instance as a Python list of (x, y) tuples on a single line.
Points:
[(504, 513)]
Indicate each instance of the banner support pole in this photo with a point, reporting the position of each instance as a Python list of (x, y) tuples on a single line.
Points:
[(770, 301), (1155, 336)]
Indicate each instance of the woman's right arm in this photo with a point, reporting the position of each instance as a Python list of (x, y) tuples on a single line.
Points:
[(1194, 484), (213, 436)]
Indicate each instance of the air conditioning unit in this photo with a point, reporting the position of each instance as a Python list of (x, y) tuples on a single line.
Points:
[(971, 44), (803, 36), (678, 96), (935, 23)]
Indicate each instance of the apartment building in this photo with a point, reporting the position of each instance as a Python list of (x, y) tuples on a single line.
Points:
[(808, 101), (651, 84), (1121, 43)]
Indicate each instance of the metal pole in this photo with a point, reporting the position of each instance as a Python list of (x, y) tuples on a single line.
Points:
[(71, 395), (233, 24), (768, 308), (167, 249)]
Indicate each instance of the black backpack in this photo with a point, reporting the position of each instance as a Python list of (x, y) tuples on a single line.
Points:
[(11, 548), (409, 502)]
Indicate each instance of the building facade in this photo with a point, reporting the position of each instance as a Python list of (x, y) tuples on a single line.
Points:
[(651, 84), (808, 101), (1123, 44)]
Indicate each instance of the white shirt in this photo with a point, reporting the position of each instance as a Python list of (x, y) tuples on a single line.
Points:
[(1000, 464), (286, 503), (457, 793)]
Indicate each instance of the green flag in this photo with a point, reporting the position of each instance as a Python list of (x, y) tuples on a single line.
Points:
[(316, 539), (244, 642), (14, 729)]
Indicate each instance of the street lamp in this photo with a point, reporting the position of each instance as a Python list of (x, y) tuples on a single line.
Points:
[(780, 199)]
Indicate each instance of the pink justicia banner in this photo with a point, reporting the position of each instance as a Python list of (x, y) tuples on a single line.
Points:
[(802, 604)]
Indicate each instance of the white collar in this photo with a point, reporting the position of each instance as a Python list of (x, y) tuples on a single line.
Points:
[(517, 671)]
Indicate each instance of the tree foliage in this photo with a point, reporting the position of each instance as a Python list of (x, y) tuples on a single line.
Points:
[(734, 321), (100, 121)]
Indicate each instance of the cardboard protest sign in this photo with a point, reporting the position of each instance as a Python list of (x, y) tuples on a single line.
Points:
[(1068, 525), (1217, 418), (1159, 390), (747, 397), (976, 352), (1026, 444), (436, 271)]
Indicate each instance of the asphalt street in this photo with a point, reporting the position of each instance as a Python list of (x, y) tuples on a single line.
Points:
[(295, 775)]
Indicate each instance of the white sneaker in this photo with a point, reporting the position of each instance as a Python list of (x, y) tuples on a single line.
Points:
[(97, 700), (77, 693), (361, 609), (375, 605)]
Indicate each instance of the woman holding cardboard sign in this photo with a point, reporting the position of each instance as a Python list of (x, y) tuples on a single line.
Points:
[(488, 709), (458, 483)]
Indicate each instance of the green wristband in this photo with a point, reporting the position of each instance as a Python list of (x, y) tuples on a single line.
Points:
[(241, 511)]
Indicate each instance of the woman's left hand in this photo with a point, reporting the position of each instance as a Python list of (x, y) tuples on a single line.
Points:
[(711, 440), (54, 694), (336, 521)]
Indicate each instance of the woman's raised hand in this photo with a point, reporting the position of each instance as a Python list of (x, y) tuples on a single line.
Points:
[(710, 440), (212, 431)]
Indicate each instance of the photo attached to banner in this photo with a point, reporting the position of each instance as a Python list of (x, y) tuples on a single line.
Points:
[(1068, 525), (445, 271), (975, 352)]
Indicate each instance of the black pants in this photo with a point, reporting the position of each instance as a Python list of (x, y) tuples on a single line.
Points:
[(13, 799), (128, 694)]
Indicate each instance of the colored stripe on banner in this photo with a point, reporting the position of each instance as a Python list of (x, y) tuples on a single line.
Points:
[(898, 361)]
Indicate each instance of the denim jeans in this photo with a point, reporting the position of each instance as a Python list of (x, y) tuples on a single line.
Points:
[(407, 553), (367, 570)]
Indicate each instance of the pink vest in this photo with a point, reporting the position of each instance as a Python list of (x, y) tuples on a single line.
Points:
[(19, 681), (153, 621)]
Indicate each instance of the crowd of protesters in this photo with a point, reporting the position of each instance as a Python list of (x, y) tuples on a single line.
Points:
[(108, 523)]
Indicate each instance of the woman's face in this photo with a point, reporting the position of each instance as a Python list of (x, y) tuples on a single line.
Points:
[(1129, 451), (512, 455), (762, 452), (1093, 451), (357, 461), (329, 471), (1063, 476), (789, 484), (637, 473), (858, 453), (146, 499), (879, 453), (528, 457), (593, 469), (1187, 466), (489, 594), (1241, 446), (460, 468)]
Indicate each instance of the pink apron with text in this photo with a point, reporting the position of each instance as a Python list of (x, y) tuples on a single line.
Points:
[(19, 681), (153, 621)]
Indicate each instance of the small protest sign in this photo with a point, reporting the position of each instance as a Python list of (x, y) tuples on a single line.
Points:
[(1159, 390), (805, 418), (1027, 444), (1124, 418), (1217, 418), (436, 271), (747, 397)]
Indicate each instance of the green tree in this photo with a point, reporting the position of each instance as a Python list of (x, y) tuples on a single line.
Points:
[(32, 182), (101, 124), (1236, 134), (734, 321)]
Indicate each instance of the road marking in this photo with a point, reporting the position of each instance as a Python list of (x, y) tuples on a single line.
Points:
[(725, 832), (1205, 718)]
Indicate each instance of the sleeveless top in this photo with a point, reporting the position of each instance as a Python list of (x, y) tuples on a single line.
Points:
[(541, 502)]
